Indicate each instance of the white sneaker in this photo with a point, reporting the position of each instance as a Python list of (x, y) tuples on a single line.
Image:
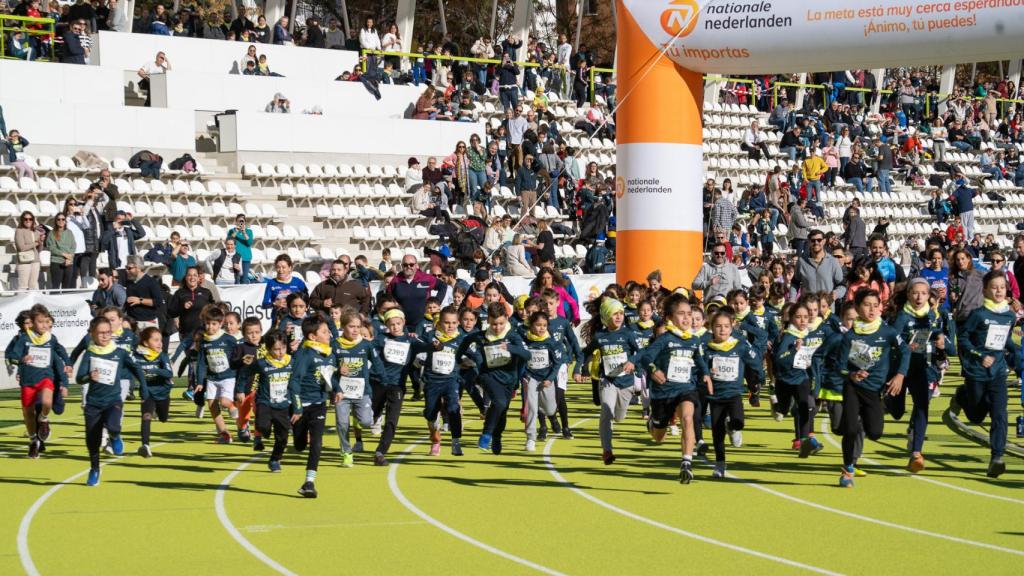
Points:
[(674, 430), (233, 413), (531, 446), (378, 425), (200, 410), (936, 392), (719, 471), (736, 437)]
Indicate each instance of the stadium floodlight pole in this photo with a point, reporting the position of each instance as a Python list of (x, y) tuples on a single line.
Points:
[(494, 19), (579, 25), (659, 130), (344, 17), (444, 23)]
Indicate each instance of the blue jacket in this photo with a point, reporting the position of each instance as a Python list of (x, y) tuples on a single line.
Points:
[(614, 346), (74, 52), (272, 389), (48, 361), (983, 331), (875, 353), (726, 369), (133, 232), (680, 359), (306, 386), (103, 394)]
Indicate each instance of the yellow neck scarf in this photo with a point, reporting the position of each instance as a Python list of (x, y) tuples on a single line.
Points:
[(916, 312), (815, 324), (102, 350), (997, 307), (442, 337), (148, 353), (535, 338), (212, 337), (759, 311), (798, 333), (38, 339), (493, 338), (740, 316), (324, 349), (723, 346), (119, 332), (645, 324), (684, 334), (279, 363), (863, 328), (700, 331)]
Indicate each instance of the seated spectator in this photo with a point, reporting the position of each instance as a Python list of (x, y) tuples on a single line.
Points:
[(21, 47), (164, 254), (250, 56), (413, 176), (754, 142), (15, 145), (279, 105), (250, 69), (159, 66), (425, 109), (281, 34), (263, 69), (182, 261), (792, 144), (225, 264), (261, 32)]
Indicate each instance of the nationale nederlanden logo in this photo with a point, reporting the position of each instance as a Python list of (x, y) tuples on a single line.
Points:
[(620, 186), (680, 18)]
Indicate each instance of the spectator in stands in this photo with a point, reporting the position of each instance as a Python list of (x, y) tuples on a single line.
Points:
[(105, 194), (187, 304), (225, 264), (119, 242), (281, 285), (508, 84), (243, 22), (83, 10), (159, 66), (145, 298), (814, 168), (516, 125), (723, 212), (988, 166), (544, 245), (718, 277), (855, 240), (392, 42), (28, 239), (755, 142), (548, 277), (800, 225), (76, 224), (411, 287), (182, 261), (792, 144), (250, 58), (164, 254), (243, 238), (516, 262), (817, 270), (279, 105), (334, 36), (369, 39), (856, 173), (261, 32), (965, 286), (425, 109), (117, 17), (15, 146), (340, 288), (281, 35), (964, 200), (891, 273), (108, 292), (159, 26), (60, 242), (581, 81), (782, 117), (526, 183), (958, 138)]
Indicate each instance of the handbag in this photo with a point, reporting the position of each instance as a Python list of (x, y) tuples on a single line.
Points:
[(26, 256)]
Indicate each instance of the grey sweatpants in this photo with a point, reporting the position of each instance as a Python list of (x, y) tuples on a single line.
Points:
[(967, 219), (538, 396), (614, 402), (343, 412)]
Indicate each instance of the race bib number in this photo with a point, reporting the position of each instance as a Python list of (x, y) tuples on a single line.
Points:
[(539, 359), (326, 374), (802, 359), (396, 352), (496, 356), (352, 388), (612, 364), (679, 369), (861, 355), (919, 340), (725, 368), (442, 363), (39, 357), (278, 386), (296, 332), (217, 360), (106, 370), (996, 337)]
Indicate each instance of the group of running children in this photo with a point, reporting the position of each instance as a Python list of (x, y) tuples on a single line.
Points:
[(686, 365)]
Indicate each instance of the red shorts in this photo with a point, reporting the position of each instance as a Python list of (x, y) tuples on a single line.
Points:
[(28, 393)]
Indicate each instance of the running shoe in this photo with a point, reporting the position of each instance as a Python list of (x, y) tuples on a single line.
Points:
[(188, 394), (485, 442), (33, 448), (608, 457), (531, 446), (996, 468), (380, 460), (846, 478), (200, 410), (702, 448), (719, 472), (542, 434), (456, 447), (567, 434), (244, 435), (94, 477), (43, 429), (435, 449), (496, 444), (117, 445), (274, 465), (144, 451), (916, 463), (347, 460), (859, 473), (257, 444), (736, 438), (809, 446), (674, 430), (308, 490), (685, 472), (755, 400), (797, 444), (224, 437), (357, 447)]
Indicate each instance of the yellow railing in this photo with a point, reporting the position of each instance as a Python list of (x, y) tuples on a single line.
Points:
[(594, 71), (823, 87), (453, 58), (24, 28), (939, 96)]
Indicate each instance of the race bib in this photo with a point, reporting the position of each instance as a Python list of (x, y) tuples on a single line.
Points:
[(725, 368), (539, 359), (296, 330), (861, 355), (802, 359), (352, 388), (326, 374), (496, 356), (612, 364), (442, 363), (396, 352), (278, 386), (996, 337), (106, 369), (39, 357), (919, 340), (679, 369), (217, 360)]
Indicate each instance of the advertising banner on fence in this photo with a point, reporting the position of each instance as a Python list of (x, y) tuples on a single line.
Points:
[(769, 37)]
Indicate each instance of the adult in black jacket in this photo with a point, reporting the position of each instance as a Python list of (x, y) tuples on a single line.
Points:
[(130, 232), (145, 299), (189, 300), (74, 52), (339, 288), (314, 34)]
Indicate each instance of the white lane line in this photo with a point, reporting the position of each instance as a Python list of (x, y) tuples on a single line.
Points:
[(828, 436), (393, 484), (26, 521), (666, 527), (222, 515)]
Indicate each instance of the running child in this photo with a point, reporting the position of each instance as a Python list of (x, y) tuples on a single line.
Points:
[(314, 380), (149, 356), (357, 362), (499, 351), (99, 373), (792, 363), (123, 338), (866, 358), (989, 352), (41, 375), (748, 329), (243, 360), (291, 322), (832, 381), (676, 364), (540, 378), (394, 351), (273, 373), (215, 377), (441, 381), (726, 358), (609, 340), (468, 367), (562, 333)]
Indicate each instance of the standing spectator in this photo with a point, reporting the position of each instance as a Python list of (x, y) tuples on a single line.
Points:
[(526, 184), (341, 289), (965, 286), (544, 245), (108, 292), (817, 270), (187, 303), (723, 213), (61, 244), (581, 81), (334, 36), (182, 261), (516, 125), (27, 241), (550, 162), (483, 49), (314, 34), (117, 17), (964, 198), (243, 237), (564, 58), (392, 42), (891, 273), (999, 264), (508, 85), (74, 52), (159, 66), (369, 39), (801, 226), (411, 287), (279, 287), (718, 277), (70, 212), (939, 135), (814, 168), (225, 264), (16, 145), (119, 242), (281, 35), (145, 298), (855, 236), (885, 164), (90, 221)]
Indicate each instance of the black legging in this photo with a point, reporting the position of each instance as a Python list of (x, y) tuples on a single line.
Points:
[(62, 277), (862, 412), (96, 419), (801, 393), (276, 420), (312, 424), (389, 397), (731, 409)]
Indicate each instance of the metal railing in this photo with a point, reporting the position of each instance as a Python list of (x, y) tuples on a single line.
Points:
[(22, 24)]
